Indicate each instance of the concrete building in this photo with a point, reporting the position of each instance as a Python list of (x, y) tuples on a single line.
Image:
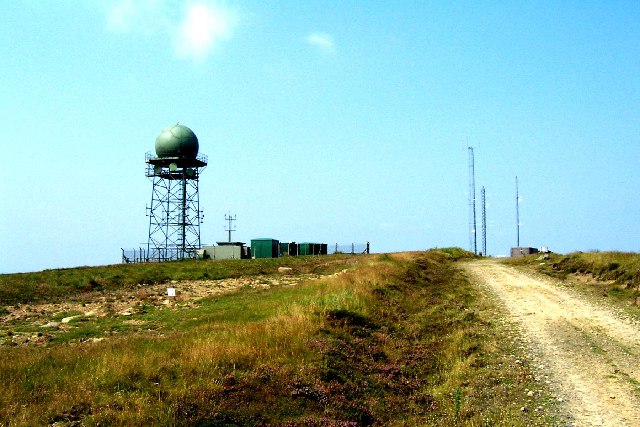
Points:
[(520, 252)]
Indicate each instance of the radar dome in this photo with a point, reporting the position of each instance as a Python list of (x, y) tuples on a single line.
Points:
[(177, 141)]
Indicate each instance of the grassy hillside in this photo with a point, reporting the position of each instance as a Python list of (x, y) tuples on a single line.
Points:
[(397, 339), (615, 275), (60, 284)]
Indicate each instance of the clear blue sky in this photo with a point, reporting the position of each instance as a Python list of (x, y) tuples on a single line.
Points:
[(339, 121)]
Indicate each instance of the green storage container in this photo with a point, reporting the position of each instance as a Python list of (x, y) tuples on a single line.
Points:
[(293, 249), (305, 248), (284, 249), (288, 249), (312, 248), (265, 248)]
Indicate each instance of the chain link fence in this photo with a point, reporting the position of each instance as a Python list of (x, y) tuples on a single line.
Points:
[(142, 255), (350, 248)]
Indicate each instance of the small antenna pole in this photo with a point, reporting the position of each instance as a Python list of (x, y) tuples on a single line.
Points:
[(231, 227), (517, 215), (484, 221)]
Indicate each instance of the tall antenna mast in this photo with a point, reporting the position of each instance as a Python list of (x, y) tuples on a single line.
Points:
[(517, 215), (473, 244), (484, 221), (231, 227)]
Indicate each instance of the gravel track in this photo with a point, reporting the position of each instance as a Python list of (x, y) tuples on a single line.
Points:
[(590, 352)]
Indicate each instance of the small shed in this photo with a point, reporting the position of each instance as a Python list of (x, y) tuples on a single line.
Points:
[(222, 252), (265, 248), (245, 251), (520, 252)]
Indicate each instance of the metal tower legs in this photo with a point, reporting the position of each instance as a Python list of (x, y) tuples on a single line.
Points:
[(174, 216)]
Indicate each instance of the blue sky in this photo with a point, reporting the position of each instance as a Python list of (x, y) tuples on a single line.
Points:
[(323, 121)]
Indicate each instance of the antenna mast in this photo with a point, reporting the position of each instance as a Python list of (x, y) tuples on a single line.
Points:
[(473, 244), (517, 215), (484, 221), (231, 227)]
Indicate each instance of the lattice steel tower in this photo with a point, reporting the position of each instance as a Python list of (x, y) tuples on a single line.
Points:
[(473, 241), (174, 214)]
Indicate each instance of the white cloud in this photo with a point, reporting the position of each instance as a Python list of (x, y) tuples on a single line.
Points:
[(202, 28), (142, 16), (119, 17), (194, 27), (322, 41)]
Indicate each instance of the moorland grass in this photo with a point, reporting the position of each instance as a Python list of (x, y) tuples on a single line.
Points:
[(59, 284), (400, 339)]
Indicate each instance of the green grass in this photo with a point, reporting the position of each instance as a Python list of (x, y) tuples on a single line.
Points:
[(58, 284), (595, 347), (398, 339)]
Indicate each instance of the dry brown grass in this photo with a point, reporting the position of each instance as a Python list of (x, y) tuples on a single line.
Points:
[(393, 340)]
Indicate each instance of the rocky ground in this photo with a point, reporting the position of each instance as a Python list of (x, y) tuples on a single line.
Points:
[(37, 324)]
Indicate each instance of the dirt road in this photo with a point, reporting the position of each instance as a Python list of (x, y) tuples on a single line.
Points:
[(589, 352)]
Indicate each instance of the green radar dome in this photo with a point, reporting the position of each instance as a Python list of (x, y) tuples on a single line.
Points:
[(177, 141)]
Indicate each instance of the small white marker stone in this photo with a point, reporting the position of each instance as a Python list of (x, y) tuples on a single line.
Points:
[(171, 292)]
